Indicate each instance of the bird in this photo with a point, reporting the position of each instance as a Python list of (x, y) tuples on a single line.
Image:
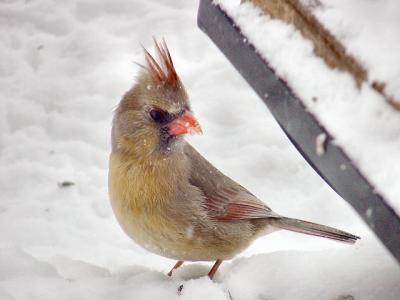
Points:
[(165, 195)]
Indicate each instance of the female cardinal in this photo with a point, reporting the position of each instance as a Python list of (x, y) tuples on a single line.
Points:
[(167, 197)]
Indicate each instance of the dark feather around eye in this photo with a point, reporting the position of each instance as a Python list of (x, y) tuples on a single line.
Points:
[(158, 115)]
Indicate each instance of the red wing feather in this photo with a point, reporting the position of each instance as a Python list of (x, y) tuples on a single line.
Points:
[(232, 204)]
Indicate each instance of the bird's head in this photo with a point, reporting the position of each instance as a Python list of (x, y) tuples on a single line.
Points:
[(155, 113)]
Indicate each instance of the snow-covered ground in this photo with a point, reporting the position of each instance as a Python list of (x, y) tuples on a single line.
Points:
[(63, 67)]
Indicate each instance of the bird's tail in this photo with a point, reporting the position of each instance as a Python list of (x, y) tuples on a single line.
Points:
[(314, 229)]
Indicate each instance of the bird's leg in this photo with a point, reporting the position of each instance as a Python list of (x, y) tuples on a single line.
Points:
[(177, 265), (214, 269)]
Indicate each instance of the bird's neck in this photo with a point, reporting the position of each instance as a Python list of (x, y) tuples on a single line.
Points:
[(146, 150), (145, 183)]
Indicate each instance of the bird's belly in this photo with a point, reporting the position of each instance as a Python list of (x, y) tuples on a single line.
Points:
[(162, 240), (146, 233), (163, 237)]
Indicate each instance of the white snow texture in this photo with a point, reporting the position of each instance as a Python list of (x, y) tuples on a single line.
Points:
[(63, 68), (359, 119)]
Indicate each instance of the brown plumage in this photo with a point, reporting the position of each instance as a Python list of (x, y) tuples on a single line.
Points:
[(166, 196)]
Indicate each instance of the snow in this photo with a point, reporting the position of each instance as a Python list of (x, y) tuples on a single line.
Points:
[(358, 23), (320, 144), (63, 68), (360, 120)]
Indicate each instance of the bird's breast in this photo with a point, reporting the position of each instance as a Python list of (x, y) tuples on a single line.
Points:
[(140, 198)]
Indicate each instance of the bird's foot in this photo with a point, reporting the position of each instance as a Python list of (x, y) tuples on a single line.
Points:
[(177, 265)]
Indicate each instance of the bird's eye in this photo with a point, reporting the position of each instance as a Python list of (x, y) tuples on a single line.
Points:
[(158, 115)]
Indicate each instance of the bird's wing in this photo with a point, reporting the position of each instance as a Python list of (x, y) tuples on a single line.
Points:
[(224, 199)]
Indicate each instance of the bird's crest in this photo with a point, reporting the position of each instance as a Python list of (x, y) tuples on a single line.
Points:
[(162, 71)]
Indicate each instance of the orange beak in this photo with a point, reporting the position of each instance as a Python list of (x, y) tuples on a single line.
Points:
[(184, 124)]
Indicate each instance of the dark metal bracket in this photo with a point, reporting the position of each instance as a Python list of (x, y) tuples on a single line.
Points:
[(301, 127)]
